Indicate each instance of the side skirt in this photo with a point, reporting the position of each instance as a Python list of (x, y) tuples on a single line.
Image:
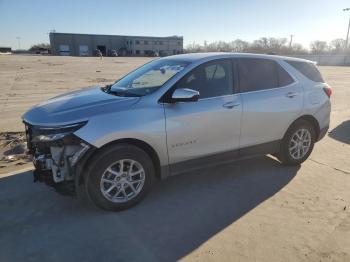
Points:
[(226, 157)]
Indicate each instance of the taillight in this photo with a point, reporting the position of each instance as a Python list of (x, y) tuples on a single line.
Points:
[(328, 91)]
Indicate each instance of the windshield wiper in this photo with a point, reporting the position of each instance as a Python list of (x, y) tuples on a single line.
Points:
[(106, 88), (121, 93)]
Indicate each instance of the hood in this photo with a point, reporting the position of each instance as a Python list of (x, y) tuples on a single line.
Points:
[(75, 107)]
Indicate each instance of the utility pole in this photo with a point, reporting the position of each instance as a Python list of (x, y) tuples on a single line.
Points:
[(19, 42), (291, 40), (347, 35)]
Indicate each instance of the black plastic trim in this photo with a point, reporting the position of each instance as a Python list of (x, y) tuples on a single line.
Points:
[(322, 133), (226, 157)]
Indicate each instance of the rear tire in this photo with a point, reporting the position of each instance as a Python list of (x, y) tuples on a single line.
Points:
[(119, 177), (297, 144)]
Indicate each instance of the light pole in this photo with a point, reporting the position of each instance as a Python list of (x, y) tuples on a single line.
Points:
[(347, 35), (19, 42), (291, 40)]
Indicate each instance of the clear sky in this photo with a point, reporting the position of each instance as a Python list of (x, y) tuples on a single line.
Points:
[(195, 20)]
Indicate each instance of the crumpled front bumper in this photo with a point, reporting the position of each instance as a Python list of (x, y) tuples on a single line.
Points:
[(59, 165), (55, 160)]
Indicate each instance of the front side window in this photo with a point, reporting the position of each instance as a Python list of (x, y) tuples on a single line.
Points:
[(148, 78), (210, 79)]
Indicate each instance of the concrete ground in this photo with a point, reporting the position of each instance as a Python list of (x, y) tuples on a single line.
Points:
[(252, 210)]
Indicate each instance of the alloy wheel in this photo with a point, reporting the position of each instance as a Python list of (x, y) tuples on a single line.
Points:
[(122, 181), (300, 143)]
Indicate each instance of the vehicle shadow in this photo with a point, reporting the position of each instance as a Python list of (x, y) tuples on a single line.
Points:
[(179, 215), (341, 132)]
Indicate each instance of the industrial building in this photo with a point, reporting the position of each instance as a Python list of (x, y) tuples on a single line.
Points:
[(88, 44), (4, 49)]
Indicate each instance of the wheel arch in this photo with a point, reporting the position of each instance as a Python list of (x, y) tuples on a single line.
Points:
[(142, 145), (132, 141), (312, 120)]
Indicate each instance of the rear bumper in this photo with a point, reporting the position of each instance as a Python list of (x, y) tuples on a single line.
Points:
[(322, 133)]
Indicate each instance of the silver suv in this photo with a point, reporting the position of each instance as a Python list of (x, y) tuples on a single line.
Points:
[(172, 115)]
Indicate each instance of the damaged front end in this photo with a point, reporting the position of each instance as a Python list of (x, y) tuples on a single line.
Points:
[(56, 152)]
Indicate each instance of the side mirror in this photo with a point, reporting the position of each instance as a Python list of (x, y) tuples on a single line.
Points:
[(184, 95)]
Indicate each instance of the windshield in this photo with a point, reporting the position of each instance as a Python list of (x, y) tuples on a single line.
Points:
[(148, 78)]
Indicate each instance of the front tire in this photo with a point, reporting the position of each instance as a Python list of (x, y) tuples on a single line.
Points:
[(297, 143), (119, 177)]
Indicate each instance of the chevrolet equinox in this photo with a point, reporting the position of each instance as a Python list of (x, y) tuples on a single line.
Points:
[(109, 144)]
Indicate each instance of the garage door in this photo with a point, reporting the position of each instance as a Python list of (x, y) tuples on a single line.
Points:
[(64, 50), (83, 50)]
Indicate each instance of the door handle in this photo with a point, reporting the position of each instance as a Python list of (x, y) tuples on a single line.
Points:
[(230, 105), (291, 94)]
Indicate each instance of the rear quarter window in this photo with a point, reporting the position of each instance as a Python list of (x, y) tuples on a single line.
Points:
[(308, 69)]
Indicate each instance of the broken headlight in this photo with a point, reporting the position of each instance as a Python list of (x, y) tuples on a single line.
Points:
[(51, 134), (49, 138), (56, 150)]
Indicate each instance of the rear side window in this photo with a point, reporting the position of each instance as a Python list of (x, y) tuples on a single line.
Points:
[(307, 69), (257, 74)]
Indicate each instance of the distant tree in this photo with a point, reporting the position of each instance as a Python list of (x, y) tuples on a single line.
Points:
[(270, 45), (40, 46), (205, 47), (193, 48), (297, 49), (220, 46), (318, 47), (259, 46), (277, 43), (337, 45), (239, 46)]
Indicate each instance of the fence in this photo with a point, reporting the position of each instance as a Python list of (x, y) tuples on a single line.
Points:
[(331, 60)]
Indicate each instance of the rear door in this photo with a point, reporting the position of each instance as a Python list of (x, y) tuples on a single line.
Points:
[(210, 126), (272, 99)]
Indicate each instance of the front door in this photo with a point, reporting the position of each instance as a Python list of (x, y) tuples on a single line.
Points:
[(209, 127)]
